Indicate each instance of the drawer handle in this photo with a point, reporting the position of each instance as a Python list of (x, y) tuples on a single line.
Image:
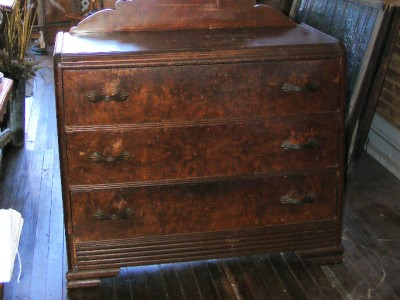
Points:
[(309, 198), (308, 88), (124, 214), (95, 97), (293, 146), (97, 157)]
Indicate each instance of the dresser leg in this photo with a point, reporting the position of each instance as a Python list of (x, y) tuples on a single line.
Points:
[(91, 278), (74, 284), (322, 256)]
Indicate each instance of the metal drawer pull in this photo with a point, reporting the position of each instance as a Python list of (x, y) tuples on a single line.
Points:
[(124, 214), (308, 88), (95, 97), (310, 197), (291, 146), (97, 157)]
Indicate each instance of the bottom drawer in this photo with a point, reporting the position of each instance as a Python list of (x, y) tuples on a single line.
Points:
[(203, 207)]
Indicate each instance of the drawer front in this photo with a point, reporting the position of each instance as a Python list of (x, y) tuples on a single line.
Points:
[(202, 150), (205, 207), (140, 95)]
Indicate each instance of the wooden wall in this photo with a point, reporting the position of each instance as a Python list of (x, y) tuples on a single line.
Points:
[(110, 3), (389, 100), (283, 5), (55, 15)]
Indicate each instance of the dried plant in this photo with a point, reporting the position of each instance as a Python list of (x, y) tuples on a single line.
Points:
[(17, 33)]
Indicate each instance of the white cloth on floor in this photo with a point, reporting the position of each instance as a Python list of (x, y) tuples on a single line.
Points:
[(11, 223)]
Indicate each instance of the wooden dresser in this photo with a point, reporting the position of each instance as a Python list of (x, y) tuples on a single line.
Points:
[(194, 130)]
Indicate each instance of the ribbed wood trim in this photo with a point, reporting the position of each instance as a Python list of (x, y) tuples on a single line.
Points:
[(189, 247)]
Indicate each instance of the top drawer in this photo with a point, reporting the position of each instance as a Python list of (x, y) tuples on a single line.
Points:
[(198, 92)]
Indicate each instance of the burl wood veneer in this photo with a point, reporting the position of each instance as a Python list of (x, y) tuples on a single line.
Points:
[(185, 139)]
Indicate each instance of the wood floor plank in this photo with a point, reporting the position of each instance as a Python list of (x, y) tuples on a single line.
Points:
[(374, 274), (348, 276), (189, 288), (13, 191), (120, 287), (170, 281), (287, 277), (15, 197), (55, 273), (221, 283), (153, 280), (270, 278), (252, 278), (41, 249), (137, 284), (309, 286), (108, 289), (204, 281), (375, 262), (344, 294), (236, 278), (90, 293), (64, 269), (12, 164), (31, 192), (329, 286), (31, 130)]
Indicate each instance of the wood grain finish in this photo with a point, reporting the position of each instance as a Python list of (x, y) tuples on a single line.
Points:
[(215, 206), (173, 15), (94, 258), (193, 144), (370, 236), (198, 150), (182, 93)]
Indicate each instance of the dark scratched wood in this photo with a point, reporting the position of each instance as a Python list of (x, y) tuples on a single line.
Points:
[(181, 154), (253, 279), (172, 288), (369, 238), (286, 276), (237, 279), (270, 278), (204, 281), (29, 182), (307, 282), (220, 280), (173, 14)]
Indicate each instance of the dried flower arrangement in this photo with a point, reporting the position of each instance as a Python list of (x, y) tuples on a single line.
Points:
[(17, 32)]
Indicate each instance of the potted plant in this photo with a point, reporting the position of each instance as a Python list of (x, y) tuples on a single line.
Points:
[(14, 63)]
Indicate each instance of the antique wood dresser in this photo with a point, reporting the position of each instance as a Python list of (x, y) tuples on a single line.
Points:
[(191, 130)]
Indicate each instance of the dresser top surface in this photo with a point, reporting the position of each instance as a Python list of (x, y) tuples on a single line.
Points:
[(194, 41)]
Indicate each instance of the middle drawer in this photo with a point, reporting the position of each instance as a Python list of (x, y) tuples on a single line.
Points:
[(198, 150)]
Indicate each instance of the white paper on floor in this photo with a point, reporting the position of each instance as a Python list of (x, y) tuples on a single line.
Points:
[(11, 223)]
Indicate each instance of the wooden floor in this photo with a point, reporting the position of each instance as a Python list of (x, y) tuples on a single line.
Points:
[(30, 183)]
